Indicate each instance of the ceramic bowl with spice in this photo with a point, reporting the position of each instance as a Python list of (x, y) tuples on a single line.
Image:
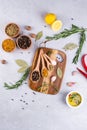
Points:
[(74, 99), (8, 45), (12, 30), (23, 42)]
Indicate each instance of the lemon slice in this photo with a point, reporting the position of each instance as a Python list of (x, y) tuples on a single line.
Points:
[(56, 25), (50, 18)]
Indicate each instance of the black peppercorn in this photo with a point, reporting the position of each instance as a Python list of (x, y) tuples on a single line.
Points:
[(23, 42), (35, 76)]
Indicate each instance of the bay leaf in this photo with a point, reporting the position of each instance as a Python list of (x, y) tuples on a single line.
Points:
[(70, 46), (39, 35), (22, 69), (59, 72), (21, 63)]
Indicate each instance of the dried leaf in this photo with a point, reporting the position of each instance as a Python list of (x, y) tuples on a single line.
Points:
[(39, 35), (59, 72), (21, 63), (70, 46), (21, 70)]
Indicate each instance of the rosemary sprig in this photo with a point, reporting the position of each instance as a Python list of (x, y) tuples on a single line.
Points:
[(66, 33), (82, 40), (19, 82)]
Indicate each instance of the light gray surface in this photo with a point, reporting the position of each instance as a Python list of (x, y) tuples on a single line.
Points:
[(43, 112)]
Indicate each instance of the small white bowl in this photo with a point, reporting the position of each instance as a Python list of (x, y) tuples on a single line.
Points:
[(67, 98)]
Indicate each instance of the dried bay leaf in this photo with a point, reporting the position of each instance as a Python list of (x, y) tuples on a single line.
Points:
[(21, 63), (22, 69), (39, 35), (59, 72), (70, 46)]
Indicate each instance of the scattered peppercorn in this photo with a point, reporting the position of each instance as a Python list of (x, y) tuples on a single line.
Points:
[(34, 93), (12, 99), (25, 83), (72, 18), (22, 108), (45, 26), (26, 103)]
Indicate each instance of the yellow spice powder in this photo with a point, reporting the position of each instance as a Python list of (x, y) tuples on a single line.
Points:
[(8, 45), (45, 72)]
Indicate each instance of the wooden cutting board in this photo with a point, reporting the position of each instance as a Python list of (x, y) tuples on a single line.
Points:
[(51, 66)]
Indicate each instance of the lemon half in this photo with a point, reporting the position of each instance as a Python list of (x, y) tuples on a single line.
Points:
[(56, 25)]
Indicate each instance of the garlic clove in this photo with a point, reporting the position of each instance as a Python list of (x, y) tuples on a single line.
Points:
[(53, 78), (54, 62)]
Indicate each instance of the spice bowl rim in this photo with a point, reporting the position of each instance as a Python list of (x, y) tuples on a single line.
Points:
[(14, 44), (69, 103), (16, 33), (18, 44)]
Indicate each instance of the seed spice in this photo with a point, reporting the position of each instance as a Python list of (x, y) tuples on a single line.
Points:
[(12, 30)]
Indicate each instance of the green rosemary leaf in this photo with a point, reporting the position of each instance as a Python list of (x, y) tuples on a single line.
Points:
[(67, 32), (74, 26), (81, 42), (19, 82)]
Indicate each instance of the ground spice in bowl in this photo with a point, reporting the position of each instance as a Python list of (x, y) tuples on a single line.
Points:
[(12, 30), (8, 45), (23, 42)]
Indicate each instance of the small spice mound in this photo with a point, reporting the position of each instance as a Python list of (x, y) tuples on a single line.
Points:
[(12, 30), (23, 42), (8, 45), (44, 72), (35, 75)]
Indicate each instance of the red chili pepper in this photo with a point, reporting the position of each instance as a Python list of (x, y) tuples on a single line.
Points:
[(83, 73), (84, 61)]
